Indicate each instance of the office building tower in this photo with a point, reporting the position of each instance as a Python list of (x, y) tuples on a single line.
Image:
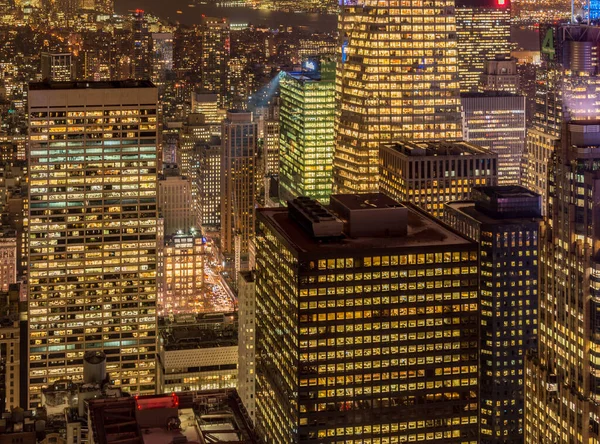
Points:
[(207, 161), (92, 231), (175, 201), (57, 67), (215, 57), (181, 281), (408, 87), (387, 347), (500, 74), (10, 349), (483, 30), (8, 258), (141, 46), (195, 130), (162, 56), (594, 10), (208, 105), (246, 385), (568, 88), (238, 183), (504, 220), (431, 174), (200, 352), (306, 134), (562, 389), (496, 121)]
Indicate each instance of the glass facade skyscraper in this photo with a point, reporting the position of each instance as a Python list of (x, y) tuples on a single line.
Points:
[(92, 231), (397, 78), (306, 118)]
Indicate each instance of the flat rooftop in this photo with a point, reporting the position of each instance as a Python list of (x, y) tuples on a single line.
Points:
[(211, 416), (363, 201), (467, 207), (113, 84), (205, 331), (421, 149), (422, 231), (507, 192)]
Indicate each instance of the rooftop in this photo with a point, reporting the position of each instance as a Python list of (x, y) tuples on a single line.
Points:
[(468, 208), (421, 230), (420, 149), (113, 84), (215, 416), (209, 330)]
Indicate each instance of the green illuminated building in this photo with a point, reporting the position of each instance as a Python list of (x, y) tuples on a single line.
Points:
[(306, 121)]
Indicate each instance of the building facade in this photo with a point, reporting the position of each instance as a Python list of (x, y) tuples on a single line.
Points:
[(238, 183), (431, 174), (215, 57), (246, 384), (8, 259), (358, 337), (496, 121), (306, 134), (57, 67), (407, 88), (181, 274), (568, 88), (175, 202), (562, 387), (483, 32), (207, 161), (92, 231), (505, 221)]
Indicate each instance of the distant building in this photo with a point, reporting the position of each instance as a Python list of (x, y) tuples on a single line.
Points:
[(496, 121), (8, 259), (207, 158), (181, 274), (199, 352), (162, 55), (141, 46), (306, 132), (500, 74), (57, 67), (367, 324), (175, 202), (505, 222), (397, 78), (215, 36), (12, 387), (483, 30), (238, 183), (430, 174), (246, 384)]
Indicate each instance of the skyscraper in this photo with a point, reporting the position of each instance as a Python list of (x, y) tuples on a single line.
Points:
[(397, 78), (505, 222), (431, 174), (215, 56), (207, 159), (306, 119), (92, 231), (367, 325), (162, 55), (141, 46), (483, 29), (568, 88), (496, 121), (175, 201), (562, 386), (57, 66), (238, 182)]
